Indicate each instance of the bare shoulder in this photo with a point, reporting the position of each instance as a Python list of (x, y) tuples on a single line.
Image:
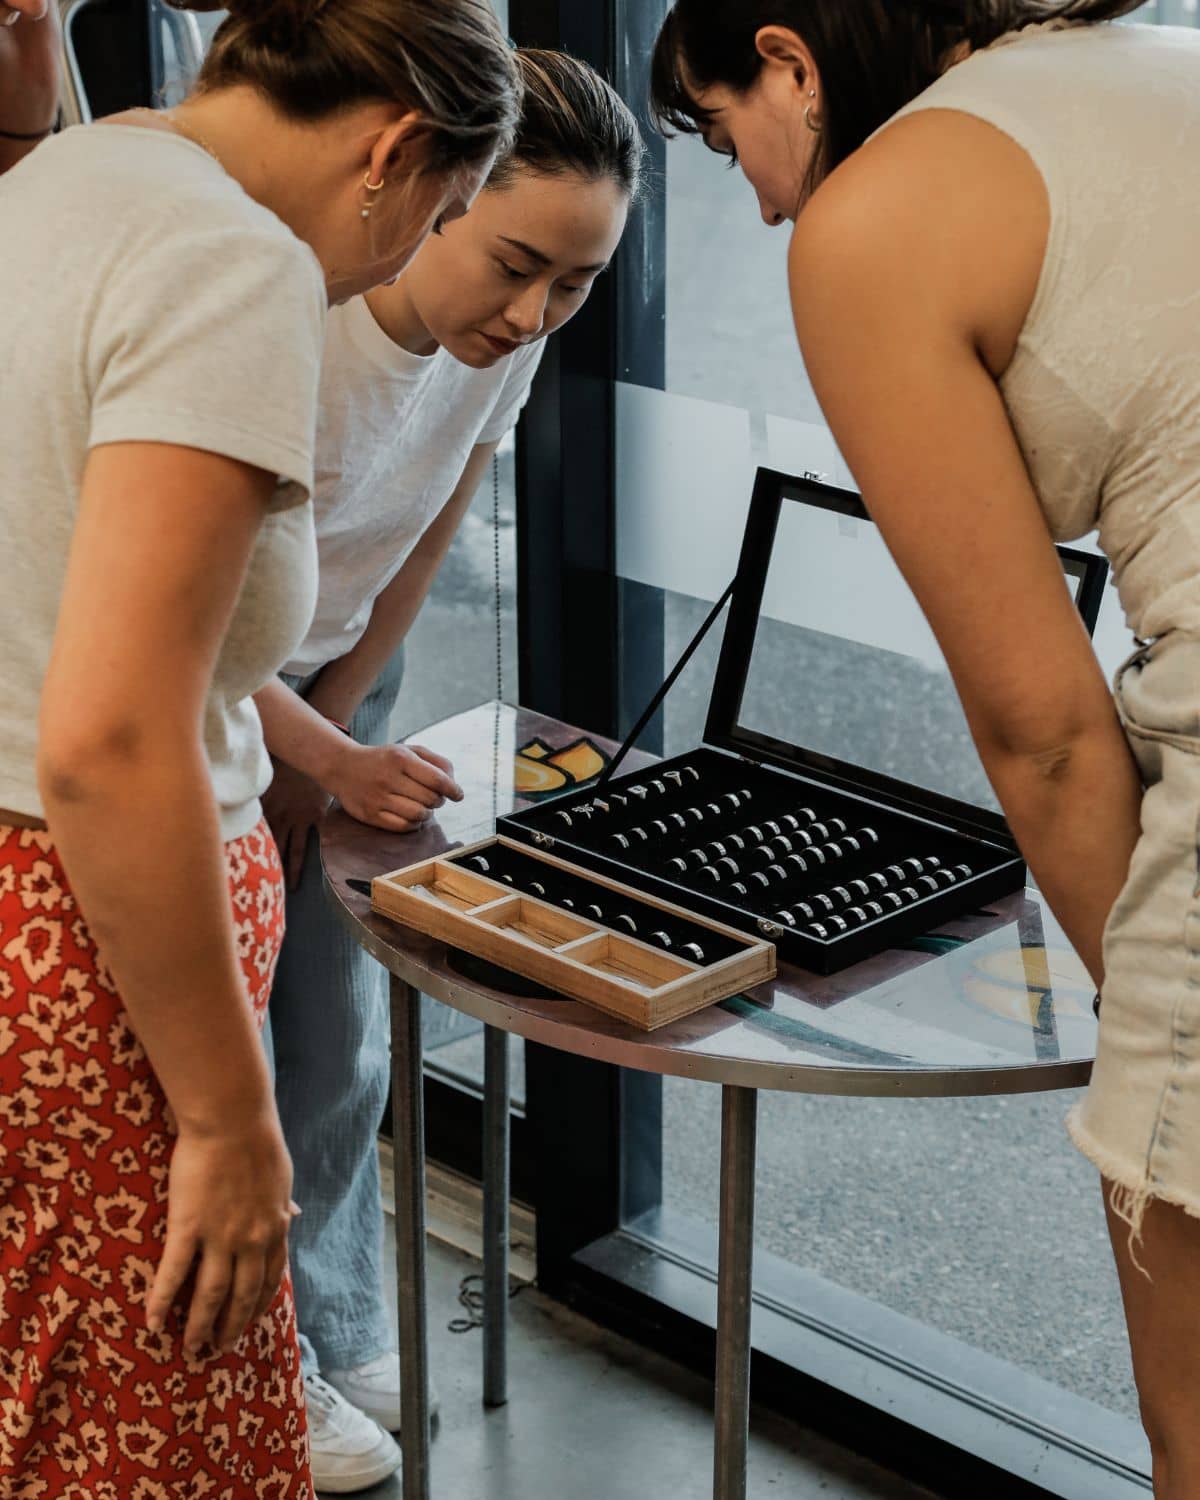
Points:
[(940, 207)]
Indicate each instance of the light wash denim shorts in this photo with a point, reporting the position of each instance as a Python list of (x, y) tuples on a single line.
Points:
[(1139, 1121)]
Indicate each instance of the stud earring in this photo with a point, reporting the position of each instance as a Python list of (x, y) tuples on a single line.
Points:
[(370, 187)]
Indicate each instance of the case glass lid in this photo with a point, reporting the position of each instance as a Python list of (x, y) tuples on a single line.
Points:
[(827, 655)]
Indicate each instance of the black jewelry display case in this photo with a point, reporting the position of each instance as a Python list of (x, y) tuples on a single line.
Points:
[(831, 860)]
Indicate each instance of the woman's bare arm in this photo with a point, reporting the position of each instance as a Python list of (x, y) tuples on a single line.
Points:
[(159, 551), (912, 272), (344, 683), (395, 787)]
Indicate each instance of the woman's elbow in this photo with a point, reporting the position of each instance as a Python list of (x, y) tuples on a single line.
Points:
[(77, 760)]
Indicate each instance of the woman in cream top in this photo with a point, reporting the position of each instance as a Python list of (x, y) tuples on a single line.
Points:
[(161, 312)]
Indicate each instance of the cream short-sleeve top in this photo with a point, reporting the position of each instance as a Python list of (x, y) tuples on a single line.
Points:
[(145, 297)]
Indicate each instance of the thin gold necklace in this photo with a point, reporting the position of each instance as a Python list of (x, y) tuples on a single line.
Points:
[(180, 129)]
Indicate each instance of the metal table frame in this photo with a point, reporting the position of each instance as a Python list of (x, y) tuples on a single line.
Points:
[(739, 1115)]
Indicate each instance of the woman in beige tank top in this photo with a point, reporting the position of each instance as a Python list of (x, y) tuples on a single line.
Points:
[(998, 301)]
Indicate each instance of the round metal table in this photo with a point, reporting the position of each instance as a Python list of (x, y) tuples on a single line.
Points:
[(994, 1003)]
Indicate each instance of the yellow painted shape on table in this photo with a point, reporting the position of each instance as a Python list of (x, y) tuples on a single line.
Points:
[(533, 778), (581, 760)]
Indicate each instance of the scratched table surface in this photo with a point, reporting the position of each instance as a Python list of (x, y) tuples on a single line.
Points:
[(996, 1002)]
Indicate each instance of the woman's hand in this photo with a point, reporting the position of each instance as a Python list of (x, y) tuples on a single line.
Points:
[(294, 805), (394, 786), (228, 1212)]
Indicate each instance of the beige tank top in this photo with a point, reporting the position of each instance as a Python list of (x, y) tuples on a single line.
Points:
[(1104, 390)]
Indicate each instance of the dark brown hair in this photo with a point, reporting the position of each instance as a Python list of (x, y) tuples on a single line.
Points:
[(446, 59), (571, 121), (873, 56)]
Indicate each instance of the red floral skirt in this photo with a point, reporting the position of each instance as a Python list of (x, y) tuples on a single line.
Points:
[(93, 1406)]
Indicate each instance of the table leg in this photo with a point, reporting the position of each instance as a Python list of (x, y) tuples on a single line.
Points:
[(496, 1174), (739, 1120), (408, 1142)]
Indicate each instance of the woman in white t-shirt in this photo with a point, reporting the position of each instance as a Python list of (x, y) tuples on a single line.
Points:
[(421, 381), (162, 302)]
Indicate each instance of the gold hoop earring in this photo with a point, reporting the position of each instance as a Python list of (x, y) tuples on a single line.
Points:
[(370, 187)]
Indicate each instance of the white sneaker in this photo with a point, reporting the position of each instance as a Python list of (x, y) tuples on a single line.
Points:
[(350, 1452), (375, 1389)]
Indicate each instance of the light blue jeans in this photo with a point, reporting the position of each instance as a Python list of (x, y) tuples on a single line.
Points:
[(329, 1032)]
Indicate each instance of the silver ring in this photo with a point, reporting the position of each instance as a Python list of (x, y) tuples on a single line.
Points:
[(12, 18)]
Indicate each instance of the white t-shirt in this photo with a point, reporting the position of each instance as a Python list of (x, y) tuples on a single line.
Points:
[(144, 297), (394, 433)]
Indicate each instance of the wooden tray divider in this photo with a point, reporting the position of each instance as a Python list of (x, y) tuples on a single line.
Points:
[(615, 972), (578, 948), (537, 921), (494, 904)]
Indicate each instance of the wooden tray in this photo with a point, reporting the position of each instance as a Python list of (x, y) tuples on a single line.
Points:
[(567, 952)]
